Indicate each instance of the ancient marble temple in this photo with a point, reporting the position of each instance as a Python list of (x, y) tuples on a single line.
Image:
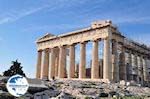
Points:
[(123, 59)]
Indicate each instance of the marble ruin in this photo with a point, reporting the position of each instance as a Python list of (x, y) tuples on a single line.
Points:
[(123, 59)]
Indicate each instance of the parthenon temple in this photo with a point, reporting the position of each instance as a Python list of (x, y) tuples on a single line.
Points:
[(122, 58)]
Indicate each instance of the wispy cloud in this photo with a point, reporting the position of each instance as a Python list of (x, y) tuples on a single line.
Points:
[(98, 12), (16, 15)]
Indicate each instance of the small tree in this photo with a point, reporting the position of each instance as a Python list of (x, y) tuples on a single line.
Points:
[(16, 68)]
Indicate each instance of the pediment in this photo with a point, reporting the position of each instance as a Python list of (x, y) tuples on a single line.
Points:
[(48, 35)]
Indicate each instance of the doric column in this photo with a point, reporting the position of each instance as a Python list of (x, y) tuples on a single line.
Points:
[(107, 60), (39, 64), (95, 63), (46, 64), (136, 63), (56, 66), (129, 64), (140, 70), (62, 63), (82, 67), (101, 68), (115, 66), (145, 69), (129, 58), (72, 61), (122, 67), (56, 61), (52, 63), (134, 67), (77, 70), (148, 68)]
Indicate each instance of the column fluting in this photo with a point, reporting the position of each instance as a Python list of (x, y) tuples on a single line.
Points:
[(95, 62), (82, 66)]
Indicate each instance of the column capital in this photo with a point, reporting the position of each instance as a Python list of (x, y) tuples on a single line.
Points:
[(47, 50), (138, 54), (95, 40), (62, 46), (83, 42), (121, 43), (135, 54), (106, 38), (132, 51), (53, 47), (129, 51), (73, 44), (40, 50), (114, 41)]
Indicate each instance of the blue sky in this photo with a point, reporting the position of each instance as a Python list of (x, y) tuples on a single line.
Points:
[(23, 21)]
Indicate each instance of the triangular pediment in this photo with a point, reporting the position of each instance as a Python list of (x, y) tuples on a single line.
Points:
[(48, 35)]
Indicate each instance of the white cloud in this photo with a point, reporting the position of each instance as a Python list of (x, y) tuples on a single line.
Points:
[(16, 15)]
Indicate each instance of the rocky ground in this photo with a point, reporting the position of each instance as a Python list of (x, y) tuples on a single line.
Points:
[(77, 89), (67, 89)]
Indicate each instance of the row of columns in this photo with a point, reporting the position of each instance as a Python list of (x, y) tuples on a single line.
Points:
[(136, 62), (114, 67), (118, 62), (138, 67), (45, 72)]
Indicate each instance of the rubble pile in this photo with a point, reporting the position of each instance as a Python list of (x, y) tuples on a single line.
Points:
[(78, 89)]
